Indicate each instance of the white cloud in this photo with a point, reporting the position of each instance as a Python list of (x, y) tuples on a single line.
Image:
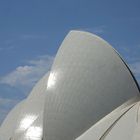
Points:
[(136, 68), (5, 106), (24, 77), (98, 30), (3, 114), (32, 36), (95, 30), (7, 102)]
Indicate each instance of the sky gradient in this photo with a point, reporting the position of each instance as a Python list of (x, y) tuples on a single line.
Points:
[(31, 32)]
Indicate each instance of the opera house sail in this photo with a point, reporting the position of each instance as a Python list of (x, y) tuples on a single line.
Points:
[(89, 94)]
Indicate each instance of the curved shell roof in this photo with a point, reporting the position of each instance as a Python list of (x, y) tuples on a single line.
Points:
[(27, 116), (9, 125), (87, 81), (39, 90)]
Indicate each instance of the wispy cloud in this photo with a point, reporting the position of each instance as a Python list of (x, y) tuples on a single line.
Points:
[(130, 54), (5, 106), (3, 114), (135, 67), (10, 44), (98, 30), (24, 77), (33, 36), (95, 30), (5, 103)]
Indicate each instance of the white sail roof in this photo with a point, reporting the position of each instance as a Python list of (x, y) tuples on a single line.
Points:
[(87, 81), (25, 121)]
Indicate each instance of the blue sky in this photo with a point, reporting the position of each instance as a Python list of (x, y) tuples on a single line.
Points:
[(31, 32)]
